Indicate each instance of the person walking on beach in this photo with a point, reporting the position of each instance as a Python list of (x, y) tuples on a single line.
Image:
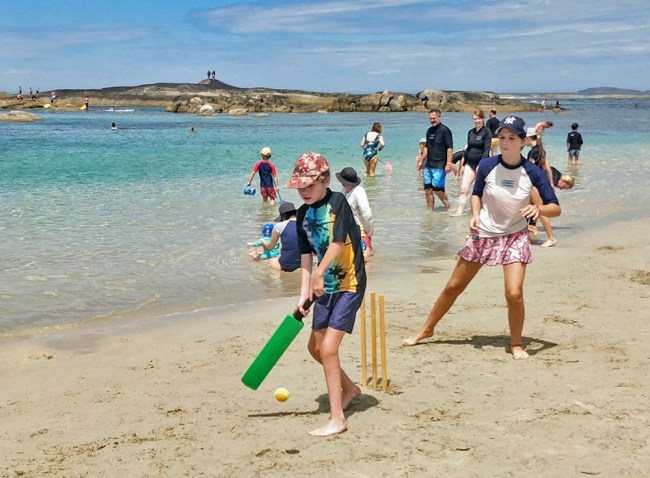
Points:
[(86, 103), (372, 143), (479, 142), (501, 206), (358, 201), (492, 124), (326, 227), (437, 161), (268, 177), (52, 97), (573, 145)]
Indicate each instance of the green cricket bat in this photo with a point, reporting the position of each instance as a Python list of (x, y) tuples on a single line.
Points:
[(274, 348)]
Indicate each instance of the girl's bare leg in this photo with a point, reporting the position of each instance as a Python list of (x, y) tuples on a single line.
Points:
[(513, 276), (462, 275)]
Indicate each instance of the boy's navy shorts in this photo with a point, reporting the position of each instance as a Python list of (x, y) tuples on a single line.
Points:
[(337, 311)]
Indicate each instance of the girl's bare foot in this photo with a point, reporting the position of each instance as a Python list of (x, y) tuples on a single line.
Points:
[(333, 427), (518, 353), (414, 340)]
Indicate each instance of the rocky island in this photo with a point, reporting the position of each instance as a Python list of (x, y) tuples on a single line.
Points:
[(213, 96)]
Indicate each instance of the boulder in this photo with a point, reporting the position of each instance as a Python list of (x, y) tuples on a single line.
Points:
[(19, 117), (237, 112), (206, 110)]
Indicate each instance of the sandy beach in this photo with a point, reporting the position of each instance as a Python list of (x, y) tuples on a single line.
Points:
[(168, 401)]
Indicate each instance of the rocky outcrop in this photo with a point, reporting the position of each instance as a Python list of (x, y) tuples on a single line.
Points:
[(19, 117), (221, 97)]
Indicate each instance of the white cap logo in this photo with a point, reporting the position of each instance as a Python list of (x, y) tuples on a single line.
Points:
[(509, 120)]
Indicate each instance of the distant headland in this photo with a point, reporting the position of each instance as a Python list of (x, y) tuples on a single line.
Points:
[(212, 96)]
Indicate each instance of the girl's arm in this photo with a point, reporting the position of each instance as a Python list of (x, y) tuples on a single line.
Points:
[(487, 143), (476, 204), (537, 208)]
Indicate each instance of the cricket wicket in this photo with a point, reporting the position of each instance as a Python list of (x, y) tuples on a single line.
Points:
[(373, 335)]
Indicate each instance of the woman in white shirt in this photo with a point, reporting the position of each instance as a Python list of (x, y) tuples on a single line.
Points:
[(358, 200)]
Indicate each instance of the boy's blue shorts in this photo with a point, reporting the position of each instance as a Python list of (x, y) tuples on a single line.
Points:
[(434, 179), (337, 311)]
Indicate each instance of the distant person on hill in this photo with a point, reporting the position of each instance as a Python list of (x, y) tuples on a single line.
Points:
[(268, 177), (493, 123), (573, 145), (213, 74), (208, 74)]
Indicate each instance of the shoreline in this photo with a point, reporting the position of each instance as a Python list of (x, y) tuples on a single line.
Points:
[(168, 400), (182, 312)]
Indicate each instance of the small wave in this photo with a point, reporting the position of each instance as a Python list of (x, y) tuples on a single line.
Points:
[(124, 111)]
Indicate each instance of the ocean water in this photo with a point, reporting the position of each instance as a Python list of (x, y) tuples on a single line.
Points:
[(150, 220)]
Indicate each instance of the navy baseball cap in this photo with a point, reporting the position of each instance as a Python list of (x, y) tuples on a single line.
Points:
[(514, 123)]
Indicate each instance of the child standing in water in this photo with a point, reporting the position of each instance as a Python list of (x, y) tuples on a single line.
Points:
[(268, 177)]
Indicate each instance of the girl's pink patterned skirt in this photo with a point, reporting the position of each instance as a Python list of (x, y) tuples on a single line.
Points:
[(502, 250)]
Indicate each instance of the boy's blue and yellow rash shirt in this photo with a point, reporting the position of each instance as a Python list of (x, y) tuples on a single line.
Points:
[(331, 220)]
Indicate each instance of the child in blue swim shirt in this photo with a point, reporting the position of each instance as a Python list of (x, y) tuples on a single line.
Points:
[(258, 252)]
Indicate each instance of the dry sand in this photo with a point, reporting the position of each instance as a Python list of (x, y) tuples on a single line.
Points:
[(167, 401)]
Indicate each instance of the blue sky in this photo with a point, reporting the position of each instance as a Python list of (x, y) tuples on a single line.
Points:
[(337, 46)]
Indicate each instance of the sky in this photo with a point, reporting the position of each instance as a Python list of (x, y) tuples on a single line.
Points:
[(328, 46)]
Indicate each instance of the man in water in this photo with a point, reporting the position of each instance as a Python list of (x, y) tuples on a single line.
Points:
[(492, 124), (436, 160)]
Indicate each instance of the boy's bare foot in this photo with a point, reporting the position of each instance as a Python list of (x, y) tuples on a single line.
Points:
[(333, 427), (346, 398), (518, 353), (416, 339)]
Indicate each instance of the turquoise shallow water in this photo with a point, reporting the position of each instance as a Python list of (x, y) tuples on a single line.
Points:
[(151, 220)]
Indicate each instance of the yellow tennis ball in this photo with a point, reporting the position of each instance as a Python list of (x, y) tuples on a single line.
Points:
[(282, 394)]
